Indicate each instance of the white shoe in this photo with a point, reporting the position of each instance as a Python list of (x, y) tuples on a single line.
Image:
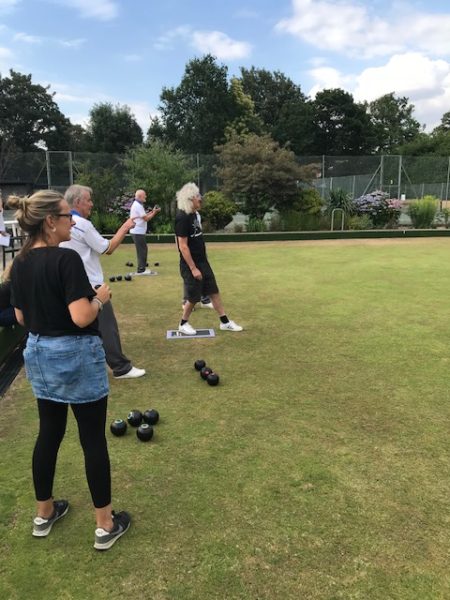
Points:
[(133, 373), (230, 326), (187, 329), (206, 304)]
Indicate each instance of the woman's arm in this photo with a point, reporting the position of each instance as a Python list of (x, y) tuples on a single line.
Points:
[(84, 311), (19, 316)]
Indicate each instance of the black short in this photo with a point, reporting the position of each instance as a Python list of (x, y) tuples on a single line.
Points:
[(196, 289)]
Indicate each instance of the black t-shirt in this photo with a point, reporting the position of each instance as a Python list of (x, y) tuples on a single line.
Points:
[(5, 294), (44, 282), (187, 225)]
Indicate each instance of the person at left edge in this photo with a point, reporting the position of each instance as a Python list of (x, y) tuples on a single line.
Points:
[(90, 245)]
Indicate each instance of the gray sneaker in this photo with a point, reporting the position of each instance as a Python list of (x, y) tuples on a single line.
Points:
[(42, 527), (105, 539)]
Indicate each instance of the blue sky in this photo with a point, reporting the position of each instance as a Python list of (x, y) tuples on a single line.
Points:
[(125, 51)]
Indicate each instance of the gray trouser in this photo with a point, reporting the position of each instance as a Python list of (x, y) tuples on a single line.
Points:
[(107, 324), (140, 241)]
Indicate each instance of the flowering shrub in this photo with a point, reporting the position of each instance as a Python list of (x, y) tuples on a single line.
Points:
[(382, 210), (120, 206), (423, 212)]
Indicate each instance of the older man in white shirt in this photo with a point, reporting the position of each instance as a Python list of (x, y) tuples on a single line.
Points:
[(138, 232), (90, 245)]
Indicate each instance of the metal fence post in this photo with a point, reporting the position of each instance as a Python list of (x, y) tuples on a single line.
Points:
[(448, 179), (49, 176)]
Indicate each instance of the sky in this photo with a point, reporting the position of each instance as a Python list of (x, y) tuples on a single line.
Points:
[(126, 51)]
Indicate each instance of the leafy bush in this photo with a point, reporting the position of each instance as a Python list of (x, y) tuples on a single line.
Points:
[(382, 210), (359, 222), (297, 221), (255, 224), (339, 199), (309, 201), (217, 209), (443, 217), (106, 222), (423, 212), (162, 226)]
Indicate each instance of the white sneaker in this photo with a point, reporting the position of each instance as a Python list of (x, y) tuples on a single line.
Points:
[(133, 373), (206, 304), (187, 329), (230, 326)]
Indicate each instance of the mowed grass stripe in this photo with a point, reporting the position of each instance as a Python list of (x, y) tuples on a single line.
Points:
[(318, 468)]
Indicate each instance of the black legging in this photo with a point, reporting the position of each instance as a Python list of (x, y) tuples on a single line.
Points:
[(91, 419)]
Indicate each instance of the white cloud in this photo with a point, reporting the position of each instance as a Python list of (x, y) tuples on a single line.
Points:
[(142, 112), (213, 42), (72, 43), (5, 59), (103, 10), (410, 74), (75, 94), (168, 39), (26, 38), (424, 81), (351, 28), (8, 5), (220, 45), (76, 101), (329, 78), (132, 57)]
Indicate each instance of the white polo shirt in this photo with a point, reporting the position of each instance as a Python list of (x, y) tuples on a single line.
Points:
[(137, 212), (89, 244)]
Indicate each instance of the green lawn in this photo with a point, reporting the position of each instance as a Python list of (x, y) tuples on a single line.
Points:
[(319, 468)]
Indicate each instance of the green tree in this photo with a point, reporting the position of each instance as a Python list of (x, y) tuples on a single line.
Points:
[(105, 179), (30, 118), (393, 122), (217, 209), (281, 105), (444, 127), (160, 170), (112, 129), (341, 126), (194, 114), (257, 173), (246, 120)]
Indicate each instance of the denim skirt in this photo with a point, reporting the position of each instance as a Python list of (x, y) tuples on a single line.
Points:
[(70, 368)]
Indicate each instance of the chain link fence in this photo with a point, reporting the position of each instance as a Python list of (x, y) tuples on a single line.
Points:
[(403, 177)]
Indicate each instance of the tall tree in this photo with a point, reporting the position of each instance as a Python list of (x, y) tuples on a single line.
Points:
[(258, 174), (341, 126), (393, 122), (30, 118), (160, 170), (194, 114), (280, 103), (112, 129), (246, 120), (444, 126)]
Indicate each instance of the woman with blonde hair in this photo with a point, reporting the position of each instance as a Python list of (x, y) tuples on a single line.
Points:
[(64, 359)]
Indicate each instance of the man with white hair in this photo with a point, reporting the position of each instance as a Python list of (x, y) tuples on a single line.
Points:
[(90, 245), (141, 218), (195, 269)]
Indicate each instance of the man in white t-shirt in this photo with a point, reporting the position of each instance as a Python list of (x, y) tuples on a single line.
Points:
[(138, 232), (90, 245)]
